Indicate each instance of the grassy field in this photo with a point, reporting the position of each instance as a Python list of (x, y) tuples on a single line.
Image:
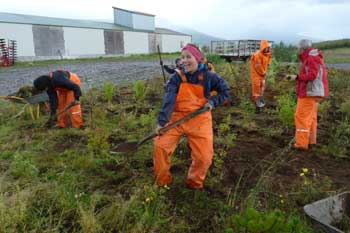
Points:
[(336, 56), (66, 180)]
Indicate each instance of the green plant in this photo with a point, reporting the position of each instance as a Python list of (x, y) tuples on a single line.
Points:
[(108, 91), (23, 167), (324, 107), (97, 143), (345, 109), (272, 71), (247, 106), (139, 90), (339, 143), (313, 186), (285, 109), (276, 221)]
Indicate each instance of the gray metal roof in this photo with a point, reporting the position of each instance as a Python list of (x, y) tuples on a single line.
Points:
[(168, 31), (51, 21), (134, 12)]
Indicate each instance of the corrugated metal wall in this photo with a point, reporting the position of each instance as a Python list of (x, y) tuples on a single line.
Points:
[(174, 43), (135, 42), (114, 42), (22, 33), (153, 41), (84, 41), (48, 40)]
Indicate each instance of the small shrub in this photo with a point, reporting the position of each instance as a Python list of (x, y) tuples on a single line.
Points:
[(108, 91), (98, 144), (339, 144), (272, 71), (22, 167), (285, 109), (323, 108), (313, 186), (276, 221), (139, 90)]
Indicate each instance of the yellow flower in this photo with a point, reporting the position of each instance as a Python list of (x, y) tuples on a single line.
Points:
[(166, 187), (302, 174), (305, 170), (282, 201), (148, 200)]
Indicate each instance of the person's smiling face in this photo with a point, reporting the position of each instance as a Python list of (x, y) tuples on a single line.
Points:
[(189, 61)]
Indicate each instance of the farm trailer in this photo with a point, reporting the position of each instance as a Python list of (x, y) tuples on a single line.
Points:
[(235, 49)]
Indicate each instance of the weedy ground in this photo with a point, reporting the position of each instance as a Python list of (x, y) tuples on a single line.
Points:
[(66, 180)]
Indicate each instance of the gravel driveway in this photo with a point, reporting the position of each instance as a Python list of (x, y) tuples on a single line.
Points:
[(91, 73)]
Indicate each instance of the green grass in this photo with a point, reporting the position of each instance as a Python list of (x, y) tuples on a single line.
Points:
[(67, 181), (338, 55)]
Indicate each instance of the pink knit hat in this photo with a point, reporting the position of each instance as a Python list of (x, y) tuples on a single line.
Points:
[(194, 51)]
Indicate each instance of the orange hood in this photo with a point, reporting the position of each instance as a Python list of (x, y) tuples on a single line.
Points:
[(264, 44)]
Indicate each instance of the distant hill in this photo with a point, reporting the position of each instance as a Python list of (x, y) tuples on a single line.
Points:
[(333, 44), (198, 37)]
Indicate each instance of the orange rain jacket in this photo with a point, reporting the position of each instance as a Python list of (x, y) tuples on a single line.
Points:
[(258, 68)]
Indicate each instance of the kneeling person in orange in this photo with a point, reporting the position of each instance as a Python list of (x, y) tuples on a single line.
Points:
[(63, 88), (312, 86), (188, 90)]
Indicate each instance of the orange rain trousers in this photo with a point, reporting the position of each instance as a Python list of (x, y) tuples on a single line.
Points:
[(259, 63), (65, 97), (305, 118), (199, 133), (258, 87)]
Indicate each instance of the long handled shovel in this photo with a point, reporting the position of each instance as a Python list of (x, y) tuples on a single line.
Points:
[(131, 146), (65, 109)]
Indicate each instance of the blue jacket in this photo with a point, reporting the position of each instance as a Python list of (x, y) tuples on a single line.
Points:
[(211, 82)]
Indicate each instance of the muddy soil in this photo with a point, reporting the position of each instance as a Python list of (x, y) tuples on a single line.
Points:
[(91, 73)]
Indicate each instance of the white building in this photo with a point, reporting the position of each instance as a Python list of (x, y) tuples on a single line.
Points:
[(40, 38)]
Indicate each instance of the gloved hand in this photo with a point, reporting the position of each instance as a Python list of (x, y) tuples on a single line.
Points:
[(76, 102), (158, 132), (292, 77), (209, 105)]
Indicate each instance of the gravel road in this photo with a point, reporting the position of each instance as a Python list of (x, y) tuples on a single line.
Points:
[(91, 73)]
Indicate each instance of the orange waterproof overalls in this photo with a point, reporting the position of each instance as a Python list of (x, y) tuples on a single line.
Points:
[(258, 68), (65, 97), (198, 131), (305, 118)]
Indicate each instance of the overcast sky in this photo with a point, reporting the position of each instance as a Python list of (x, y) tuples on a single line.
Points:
[(229, 19)]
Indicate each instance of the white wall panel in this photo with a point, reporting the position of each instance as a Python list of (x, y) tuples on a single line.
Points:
[(143, 22), (135, 42), (22, 33), (83, 41), (173, 43)]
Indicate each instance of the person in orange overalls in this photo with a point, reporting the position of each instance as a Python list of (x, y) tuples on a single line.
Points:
[(312, 86), (188, 90), (259, 63), (63, 88)]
